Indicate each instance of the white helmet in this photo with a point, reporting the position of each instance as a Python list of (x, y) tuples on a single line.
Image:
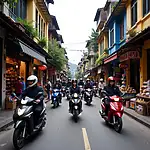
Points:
[(101, 80), (34, 79)]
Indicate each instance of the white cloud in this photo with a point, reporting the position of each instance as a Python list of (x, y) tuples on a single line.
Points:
[(75, 19)]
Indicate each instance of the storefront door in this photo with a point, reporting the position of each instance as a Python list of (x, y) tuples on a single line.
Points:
[(135, 74), (148, 64), (1, 48)]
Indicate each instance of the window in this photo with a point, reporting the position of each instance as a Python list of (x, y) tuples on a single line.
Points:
[(122, 30), (112, 37), (36, 19), (133, 12), (146, 7), (19, 9), (101, 47)]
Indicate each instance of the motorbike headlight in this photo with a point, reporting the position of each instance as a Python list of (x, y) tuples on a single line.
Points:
[(21, 111), (75, 95), (116, 99)]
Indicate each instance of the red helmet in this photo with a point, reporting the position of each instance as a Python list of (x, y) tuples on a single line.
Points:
[(111, 79)]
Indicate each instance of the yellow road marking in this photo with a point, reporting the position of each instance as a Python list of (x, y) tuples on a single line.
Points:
[(85, 138)]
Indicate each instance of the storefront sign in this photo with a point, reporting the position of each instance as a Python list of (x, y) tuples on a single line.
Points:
[(130, 55), (123, 66), (51, 71), (43, 67)]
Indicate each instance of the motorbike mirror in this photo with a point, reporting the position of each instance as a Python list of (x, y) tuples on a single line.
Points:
[(104, 93)]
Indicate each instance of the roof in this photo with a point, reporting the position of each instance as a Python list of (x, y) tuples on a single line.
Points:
[(60, 38), (50, 1), (54, 22), (97, 14)]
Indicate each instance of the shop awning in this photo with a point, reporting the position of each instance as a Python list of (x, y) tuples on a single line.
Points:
[(31, 52), (86, 75), (110, 58)]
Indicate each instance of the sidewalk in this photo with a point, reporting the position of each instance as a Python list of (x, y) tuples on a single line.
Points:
[(6, 118), (145, 120)]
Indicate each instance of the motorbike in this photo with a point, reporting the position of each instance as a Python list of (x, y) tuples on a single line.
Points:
[(115, 111), (81, 90), (56, 97), (95, 91), (68, 94), (63, 91), (75, 109), (24, 120), (88, 96)]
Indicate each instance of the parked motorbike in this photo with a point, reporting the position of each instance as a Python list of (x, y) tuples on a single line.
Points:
[(63, 91), (68, 93), (76, 110), (88, 96), (56, 97), (24, 120), (115, 111), (95, 91)]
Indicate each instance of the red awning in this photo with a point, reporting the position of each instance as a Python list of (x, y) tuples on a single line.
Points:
[(110, 58)]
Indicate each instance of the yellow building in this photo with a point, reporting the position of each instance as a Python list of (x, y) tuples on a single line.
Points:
[(138, 26)]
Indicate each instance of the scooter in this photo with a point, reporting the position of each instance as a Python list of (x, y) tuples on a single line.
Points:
[(75, 109), (56, 97), (63, 91), (88, 96), (68, 94), (81, 90), (115, 111), (95, 91), (24, 120)]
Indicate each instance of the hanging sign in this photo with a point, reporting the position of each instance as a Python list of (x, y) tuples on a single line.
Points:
[(43, 67), (130, 55)]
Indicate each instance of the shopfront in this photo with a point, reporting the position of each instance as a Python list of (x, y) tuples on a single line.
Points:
[(131, 64)]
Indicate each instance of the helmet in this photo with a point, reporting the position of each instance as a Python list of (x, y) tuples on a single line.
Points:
[(87, 79), (57, 80), (33, 79), (111, 79), (81, 79), (101, 80), (74, 80)]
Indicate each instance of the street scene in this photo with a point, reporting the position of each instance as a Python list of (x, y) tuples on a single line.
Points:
[(74, 75)]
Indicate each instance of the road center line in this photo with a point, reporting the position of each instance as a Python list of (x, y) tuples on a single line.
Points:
[(85, 138)]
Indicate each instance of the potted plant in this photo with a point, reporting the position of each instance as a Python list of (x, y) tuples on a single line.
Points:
[(42, 42)]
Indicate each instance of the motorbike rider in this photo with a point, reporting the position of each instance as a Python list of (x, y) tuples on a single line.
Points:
[(69, 83), (32, 91), (101, 85), (64, 83), (74, 89), (111, 90), (87, 86), (58, 86), (81, 82)]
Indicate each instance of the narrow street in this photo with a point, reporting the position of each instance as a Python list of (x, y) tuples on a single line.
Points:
[(62, 133)]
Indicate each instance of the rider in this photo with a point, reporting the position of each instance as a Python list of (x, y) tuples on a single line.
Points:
[(58, 86), (88, 84), (69, 83), (64, 83), (74, 89), (101, 86), (32, 91), (81, 83), (111, 90)]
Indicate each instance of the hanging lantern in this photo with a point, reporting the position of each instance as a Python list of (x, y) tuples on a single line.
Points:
[(43, 67)]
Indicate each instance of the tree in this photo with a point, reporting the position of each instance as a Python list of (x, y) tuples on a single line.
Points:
[(10, 2), (69, 74), (78, 75), (93, 41), (58, 57)]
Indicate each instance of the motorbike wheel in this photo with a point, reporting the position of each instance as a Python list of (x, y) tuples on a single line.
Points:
[(118, 125), (18, 140), (55, 104)]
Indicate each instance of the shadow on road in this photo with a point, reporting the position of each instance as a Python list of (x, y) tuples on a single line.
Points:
[(73, 121)]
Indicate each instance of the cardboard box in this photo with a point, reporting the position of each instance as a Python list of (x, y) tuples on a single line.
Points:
[(141, 108)]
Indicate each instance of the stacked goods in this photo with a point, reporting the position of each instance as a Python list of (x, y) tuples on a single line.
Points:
[(145, 89), (127, 89)]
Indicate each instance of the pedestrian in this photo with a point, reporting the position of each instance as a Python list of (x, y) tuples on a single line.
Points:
[(48, 87), (18, 87), (23, 84)]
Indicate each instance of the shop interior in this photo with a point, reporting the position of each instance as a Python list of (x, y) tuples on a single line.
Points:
[(148, 64)]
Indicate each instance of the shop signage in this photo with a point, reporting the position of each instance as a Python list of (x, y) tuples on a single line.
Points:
[(123, 66), (43, 67), (130, 55), (51, 71)]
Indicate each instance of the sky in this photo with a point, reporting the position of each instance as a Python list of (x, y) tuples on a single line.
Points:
[(76, 20)]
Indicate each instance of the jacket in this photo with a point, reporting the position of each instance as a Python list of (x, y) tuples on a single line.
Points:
[(112, 90), (74, 90), (88, 85), (57, 86), (81, 83)]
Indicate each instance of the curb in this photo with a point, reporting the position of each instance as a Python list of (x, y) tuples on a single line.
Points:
[(2, 128), (137, 119)]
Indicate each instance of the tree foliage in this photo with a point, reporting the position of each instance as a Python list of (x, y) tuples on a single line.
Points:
[(78, 75), (10, 2), (93, 41), (69, 74), (58, 57)]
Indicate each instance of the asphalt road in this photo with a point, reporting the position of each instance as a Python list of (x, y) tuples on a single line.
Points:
[(90, 133)]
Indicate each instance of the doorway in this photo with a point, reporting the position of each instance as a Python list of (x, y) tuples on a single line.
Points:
[(135, 74), (148, 64)]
